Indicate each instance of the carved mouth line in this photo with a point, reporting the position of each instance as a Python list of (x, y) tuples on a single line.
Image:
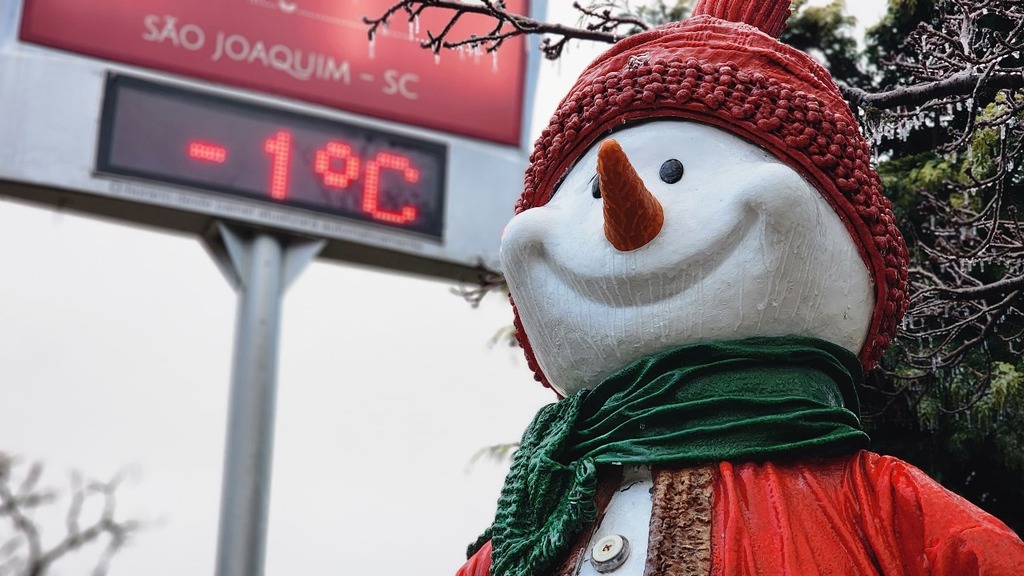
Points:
[(618, 291)]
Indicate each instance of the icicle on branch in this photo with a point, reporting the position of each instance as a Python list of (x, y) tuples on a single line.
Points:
[(601, 25)]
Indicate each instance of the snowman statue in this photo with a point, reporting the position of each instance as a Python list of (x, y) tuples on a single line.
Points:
[(702, 264)]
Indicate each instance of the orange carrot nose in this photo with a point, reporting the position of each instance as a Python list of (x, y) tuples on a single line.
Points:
[(632, 215)]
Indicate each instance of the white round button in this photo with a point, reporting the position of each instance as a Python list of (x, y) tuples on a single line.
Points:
[(609, 553)]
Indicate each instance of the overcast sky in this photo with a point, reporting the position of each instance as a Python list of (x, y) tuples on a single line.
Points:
[(115, 353)]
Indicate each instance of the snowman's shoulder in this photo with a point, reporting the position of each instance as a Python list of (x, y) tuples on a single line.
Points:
[(923, 516), (914, 494), (479, 564), (863, 509)]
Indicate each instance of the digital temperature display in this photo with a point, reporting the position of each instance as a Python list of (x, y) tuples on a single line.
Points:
[(167, 134)]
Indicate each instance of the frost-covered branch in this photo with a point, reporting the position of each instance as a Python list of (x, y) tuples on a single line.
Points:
[(600, 25), (960, 84)]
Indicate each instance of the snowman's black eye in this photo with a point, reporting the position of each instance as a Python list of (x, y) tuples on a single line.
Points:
[(671, 171), (595, 187)]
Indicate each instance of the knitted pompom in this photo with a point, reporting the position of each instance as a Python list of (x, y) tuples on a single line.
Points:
[(768, 16)]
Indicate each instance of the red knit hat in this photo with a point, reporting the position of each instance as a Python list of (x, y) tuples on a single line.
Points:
[(723, 66)]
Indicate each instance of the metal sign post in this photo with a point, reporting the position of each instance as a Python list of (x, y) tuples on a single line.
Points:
[(260, 266), (181, 113)]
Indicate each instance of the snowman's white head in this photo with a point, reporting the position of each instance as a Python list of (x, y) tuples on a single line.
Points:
[(745, 247), (776, 173)]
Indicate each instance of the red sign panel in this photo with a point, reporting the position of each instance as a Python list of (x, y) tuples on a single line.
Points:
[(313, 50)]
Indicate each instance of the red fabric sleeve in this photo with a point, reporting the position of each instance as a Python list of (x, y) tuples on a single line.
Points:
[(862, 515), (955, 537), (479, 564)]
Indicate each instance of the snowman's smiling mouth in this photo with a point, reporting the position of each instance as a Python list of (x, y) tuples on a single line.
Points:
[(659, 270)]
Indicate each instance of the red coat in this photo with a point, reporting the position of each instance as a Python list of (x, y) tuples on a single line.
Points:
[(861, 515)]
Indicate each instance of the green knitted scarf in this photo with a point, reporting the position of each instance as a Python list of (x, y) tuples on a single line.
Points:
[(749, 400)]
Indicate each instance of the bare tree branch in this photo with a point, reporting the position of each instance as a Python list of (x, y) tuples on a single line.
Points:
[(980, 292), (487, 282), (603, 26), (961, 83), (80, 532)]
